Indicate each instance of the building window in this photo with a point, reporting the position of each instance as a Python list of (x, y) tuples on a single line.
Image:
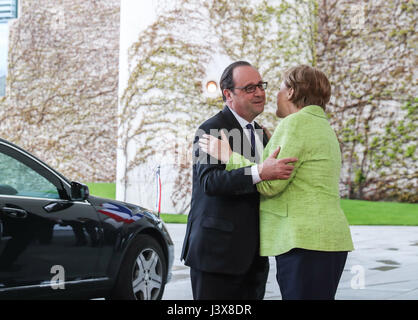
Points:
[(8, 11), (4, 36)]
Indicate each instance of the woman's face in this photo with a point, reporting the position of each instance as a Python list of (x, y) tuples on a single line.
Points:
[(284, 105)]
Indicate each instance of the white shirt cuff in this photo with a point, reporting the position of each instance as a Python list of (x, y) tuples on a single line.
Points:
[(255, 175)]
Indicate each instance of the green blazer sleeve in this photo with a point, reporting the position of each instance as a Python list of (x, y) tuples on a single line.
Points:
[(287, 136)]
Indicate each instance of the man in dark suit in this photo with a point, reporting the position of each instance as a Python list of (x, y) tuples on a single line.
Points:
[(221, 245)]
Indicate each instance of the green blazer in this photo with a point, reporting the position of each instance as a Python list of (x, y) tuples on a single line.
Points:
[(303, 211)]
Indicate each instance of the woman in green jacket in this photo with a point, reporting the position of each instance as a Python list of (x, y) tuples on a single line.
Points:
[(301, 221)]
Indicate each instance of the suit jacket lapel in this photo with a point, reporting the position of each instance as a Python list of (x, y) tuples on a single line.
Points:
[(230, 118), (234, 124), (264, 137)]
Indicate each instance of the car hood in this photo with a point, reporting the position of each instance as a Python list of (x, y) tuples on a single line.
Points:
[(121, 211), (98, 201)]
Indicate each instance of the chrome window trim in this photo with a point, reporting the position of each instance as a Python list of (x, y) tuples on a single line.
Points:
[(50, 199)]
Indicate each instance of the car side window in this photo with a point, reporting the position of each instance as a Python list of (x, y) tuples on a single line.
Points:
[(18, 179)]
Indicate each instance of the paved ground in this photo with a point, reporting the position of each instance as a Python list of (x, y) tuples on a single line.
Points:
[(384, 266)]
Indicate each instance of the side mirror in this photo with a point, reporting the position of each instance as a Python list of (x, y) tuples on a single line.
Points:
[(7, 190), (79, 191)]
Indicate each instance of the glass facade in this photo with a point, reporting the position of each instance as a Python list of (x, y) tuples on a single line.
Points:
[(4, 35), (8, 10)]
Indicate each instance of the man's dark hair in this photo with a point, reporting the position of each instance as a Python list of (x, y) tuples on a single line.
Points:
[(227, 81)]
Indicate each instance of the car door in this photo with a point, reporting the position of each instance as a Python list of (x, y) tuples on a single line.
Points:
[(44, 236)]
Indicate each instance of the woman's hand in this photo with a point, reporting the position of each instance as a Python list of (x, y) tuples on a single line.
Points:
[(217, 148)]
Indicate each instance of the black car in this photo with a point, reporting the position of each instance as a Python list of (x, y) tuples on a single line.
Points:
[(57, 241)]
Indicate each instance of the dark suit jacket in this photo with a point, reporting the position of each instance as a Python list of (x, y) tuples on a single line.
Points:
[(222, 233)]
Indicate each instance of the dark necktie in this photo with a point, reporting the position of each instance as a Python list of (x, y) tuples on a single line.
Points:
[(251, 128)]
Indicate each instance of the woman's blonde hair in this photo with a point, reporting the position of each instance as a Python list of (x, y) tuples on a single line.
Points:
[(310, 86)]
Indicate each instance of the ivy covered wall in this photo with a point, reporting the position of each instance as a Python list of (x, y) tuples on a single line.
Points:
[(62, 87), (61, 96), (164, 101), (368, 50)]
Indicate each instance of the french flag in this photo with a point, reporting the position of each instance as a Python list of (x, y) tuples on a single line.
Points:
[(119, 213)]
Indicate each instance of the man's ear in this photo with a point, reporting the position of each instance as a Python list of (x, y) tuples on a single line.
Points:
[(227, 93)]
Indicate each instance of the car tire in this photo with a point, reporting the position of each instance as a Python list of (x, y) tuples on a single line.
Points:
[(143, 272)]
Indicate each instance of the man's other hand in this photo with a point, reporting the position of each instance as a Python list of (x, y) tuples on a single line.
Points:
[(273, 169)]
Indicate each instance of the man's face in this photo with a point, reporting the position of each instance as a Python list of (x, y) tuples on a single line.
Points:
[(247, 105)]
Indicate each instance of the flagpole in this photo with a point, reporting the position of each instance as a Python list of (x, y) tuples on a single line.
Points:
[(158, 180)]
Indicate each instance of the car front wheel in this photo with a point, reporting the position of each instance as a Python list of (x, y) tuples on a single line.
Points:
[(143, 274)]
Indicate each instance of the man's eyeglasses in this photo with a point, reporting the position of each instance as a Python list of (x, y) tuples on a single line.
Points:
[(252, 87)]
